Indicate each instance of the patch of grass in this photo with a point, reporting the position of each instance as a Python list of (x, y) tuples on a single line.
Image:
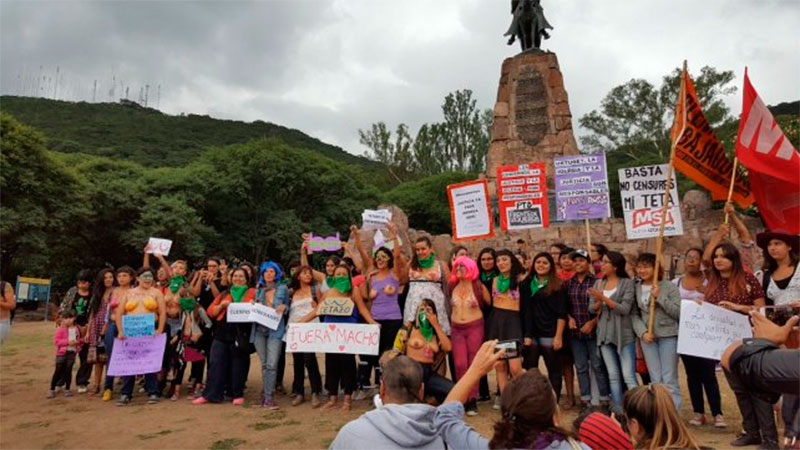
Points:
[(227, 444), (275, 415), (261, 426), (54, 445), (293, 439), (291, 422), (28, 425), (78, 408), (325, 443), (145, 437)]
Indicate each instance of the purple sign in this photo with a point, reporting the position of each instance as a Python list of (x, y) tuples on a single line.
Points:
[(136, 356), (581, 187)]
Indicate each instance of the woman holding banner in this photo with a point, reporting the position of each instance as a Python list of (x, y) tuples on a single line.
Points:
[(303, 309), (612, 299), (268, 343), (143, 300), (505, 323), (426, 280), (230, 349), (125, 277), (660, 345)]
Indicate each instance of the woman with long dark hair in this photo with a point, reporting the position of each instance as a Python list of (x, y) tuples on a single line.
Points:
[(426, 278), (98, 311), (302, 309), (612, 299), (126, 279), (505, 322), (487, 272), (206, 284), (544, 312)]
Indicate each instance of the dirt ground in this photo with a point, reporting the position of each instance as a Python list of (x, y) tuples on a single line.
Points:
[(29, 420)]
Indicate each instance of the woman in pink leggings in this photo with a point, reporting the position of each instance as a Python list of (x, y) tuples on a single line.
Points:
[(468, 296)]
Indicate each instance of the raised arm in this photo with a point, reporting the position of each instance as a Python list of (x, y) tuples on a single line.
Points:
[(366, 260), (741, 228), (165, 264), (708, 254), (319, 277)]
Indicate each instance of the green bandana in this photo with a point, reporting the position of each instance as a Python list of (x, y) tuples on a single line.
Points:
[(187, 304), (329, 280), (341, 284), (175, 283), (237, 292), (80, 306), (425, 327), (488, 276), (427, 263), (535, 286), (503, 284)]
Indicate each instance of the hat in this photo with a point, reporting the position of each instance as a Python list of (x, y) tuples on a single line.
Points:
[(601, 432), (580, 253), (792, 240)]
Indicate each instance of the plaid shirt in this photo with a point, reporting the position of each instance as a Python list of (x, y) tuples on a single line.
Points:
[(578, 306)]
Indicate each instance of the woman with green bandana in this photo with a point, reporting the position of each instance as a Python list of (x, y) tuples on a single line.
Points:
[(230, 349), (323, 279), (425, 280), (505, 322), (181, 330), (341, 304)]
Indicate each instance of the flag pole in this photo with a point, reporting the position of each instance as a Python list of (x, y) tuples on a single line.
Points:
[(733, 181), (589, 244), (665, 206)]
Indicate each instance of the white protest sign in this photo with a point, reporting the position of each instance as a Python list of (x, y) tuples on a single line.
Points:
[(706, 330), (375, 219), (253, 312), (380, 241), (358, 339), (158, 246), (470, 212), (642, 191)]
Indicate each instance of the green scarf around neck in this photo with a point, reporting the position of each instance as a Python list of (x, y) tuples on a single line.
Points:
[(175, 283), (237, 293), (187, 304), (488, 276), (535, 286), (329, 280), (425, 327), (503, 283), (427, 263), (341, 284)]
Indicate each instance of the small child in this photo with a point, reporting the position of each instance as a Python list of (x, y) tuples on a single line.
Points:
[(68, 341)]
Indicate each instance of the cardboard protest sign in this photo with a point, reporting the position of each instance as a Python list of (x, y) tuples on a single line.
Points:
[(138, 325), (642, 191), (706, 330), (336, 307), (158, 246), (581, 187), (137, 356), (253, 312), (359, 339), (522, 196), (470, 212), (375, 219), (324, 244)]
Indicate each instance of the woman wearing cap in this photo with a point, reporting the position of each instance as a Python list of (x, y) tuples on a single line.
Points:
[(274, 294), (782, 287)]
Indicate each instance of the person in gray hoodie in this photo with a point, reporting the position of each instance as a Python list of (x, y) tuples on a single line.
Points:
[(402, 422)]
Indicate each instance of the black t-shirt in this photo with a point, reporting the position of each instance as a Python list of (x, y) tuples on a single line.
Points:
[(206, 296), (540, 313), (81, 307)]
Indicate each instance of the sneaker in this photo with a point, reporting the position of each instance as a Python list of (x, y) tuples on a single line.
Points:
[(361, 394), (82, 389), (141, 390), (484, 398), (768, 445), (51, 394), (698, 419), (315, 401), (239, 401), (719, 421), (269, 404), (153, 399), (199, 401), (298, 399), (472, 408), (107, 395), (496, 403), (123, 400), (745, 439), (67, 393)]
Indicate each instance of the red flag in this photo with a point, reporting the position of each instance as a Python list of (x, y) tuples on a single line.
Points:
[(773, 163)]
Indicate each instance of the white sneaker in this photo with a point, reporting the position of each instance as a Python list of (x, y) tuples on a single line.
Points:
[(496, 402), (362, 394), (82, 389)]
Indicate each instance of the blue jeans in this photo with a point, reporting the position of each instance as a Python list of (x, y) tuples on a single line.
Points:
[(662, 362), (111, 333), (621, 367), (150, 384), (585, 351), (269, 352)]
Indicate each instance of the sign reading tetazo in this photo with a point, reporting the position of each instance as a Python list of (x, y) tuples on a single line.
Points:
[(336, 307)]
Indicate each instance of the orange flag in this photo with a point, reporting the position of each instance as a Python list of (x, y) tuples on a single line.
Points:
[(699, 155)]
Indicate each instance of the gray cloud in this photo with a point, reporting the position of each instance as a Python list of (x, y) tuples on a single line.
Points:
[(331, 67)]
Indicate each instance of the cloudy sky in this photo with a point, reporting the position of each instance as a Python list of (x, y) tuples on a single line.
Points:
[(330, 67)]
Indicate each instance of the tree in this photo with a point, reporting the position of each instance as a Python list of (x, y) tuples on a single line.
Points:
[(465, 131), (395, 156)]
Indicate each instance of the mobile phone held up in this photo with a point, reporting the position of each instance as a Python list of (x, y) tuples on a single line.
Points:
[(511, 348), (779, 314)]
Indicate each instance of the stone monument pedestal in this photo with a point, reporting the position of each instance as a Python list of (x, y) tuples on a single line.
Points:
[(532, 120)]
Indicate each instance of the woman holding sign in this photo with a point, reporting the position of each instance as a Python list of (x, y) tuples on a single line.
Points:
[(425, 280), (143, 300), (273, 294), (302, 309), (125, 277), (230, 349), (505, 322), (341, 304), (660, 346)]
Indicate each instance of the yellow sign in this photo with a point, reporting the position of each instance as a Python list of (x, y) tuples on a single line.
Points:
[(30, 280)]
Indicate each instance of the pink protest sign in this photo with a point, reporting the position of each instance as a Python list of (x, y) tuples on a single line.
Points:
[(359, 339), (136, 356), (324, 244)]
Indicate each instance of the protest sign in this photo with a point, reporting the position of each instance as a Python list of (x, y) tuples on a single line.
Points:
[(158, 246), (136, 356), (642, 191), (522, 196), (581, 187), (253, 312), (356, 339), (375, 219), (470, 210), (706, 330), (324, 244), (380, 241), (138, 325), (336, 307)]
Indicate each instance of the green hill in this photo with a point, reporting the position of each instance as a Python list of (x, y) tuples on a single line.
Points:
[(129, 131)]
